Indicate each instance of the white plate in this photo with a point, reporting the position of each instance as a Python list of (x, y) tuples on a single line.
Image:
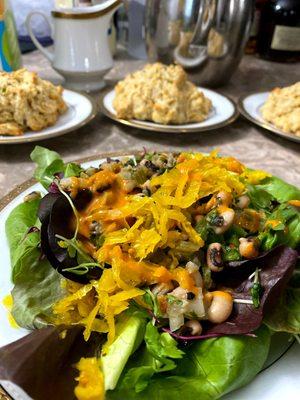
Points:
[(279, 379), (81, 110), (223, 113), (250, 105)]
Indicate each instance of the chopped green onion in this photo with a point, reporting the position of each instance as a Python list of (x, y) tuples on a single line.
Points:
[(256, 290), (173, 300), (202, 228), (140, 175)]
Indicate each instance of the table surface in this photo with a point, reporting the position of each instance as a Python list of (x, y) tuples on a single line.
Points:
[(252, 145)]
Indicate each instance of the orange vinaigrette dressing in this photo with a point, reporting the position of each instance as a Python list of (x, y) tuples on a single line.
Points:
[(109, 196), (112, 197), (114, 209)]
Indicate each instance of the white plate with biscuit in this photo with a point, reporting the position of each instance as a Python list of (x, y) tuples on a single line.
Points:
[(224, 112), (250, 107), (80, 110)]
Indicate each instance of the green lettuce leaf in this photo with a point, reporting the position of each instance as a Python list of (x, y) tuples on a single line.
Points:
[(210, 369), (20, 219), (129, 335), (37, 284), (161, 345), (280, 190), (48, 163), (156, 356), (72, 169), (287, 232), (138, 377), (26, 253), (23, 244), (37, 288), (260, 198)]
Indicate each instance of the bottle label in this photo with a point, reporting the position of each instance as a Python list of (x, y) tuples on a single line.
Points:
[(286, 38)]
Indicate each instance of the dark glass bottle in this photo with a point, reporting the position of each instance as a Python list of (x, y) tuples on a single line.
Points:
[(279, 31), (252, 42)]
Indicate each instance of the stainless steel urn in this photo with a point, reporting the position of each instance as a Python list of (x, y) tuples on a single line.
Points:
[(206, 37)]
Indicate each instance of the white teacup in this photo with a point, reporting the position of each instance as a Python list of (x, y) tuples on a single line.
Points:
[(81, 49)]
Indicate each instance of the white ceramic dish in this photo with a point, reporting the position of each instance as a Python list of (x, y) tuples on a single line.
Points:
[(81, 110), (250, 105), (224, 112), (279, 379)]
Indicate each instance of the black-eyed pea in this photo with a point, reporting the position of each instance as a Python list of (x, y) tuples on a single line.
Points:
[(220, 307), (129, 185), (242, 201), (225, 220), (248, 247), (224, 198), (194, 326), (214, 257)]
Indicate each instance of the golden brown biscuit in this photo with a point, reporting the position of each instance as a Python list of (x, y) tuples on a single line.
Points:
[(282, 108), (28, 102), (11, 129), (161, 94)]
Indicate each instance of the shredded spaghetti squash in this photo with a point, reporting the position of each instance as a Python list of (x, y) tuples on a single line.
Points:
[(148, 229)]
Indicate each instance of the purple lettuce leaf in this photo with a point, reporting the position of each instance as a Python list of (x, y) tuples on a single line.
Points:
[(55, 214), (276, 269), (198, 337), (53, 188), (43, 364)]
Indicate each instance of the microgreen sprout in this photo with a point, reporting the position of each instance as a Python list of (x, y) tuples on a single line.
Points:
[(134, 161), (81, 269), (297, 337), (243, 301), (256, 290), (67, 243)]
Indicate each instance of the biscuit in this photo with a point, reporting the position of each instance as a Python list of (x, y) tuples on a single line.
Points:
[(161, 94), (28, 102), (282, 108)]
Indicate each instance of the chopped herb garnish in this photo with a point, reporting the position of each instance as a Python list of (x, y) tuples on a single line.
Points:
[(202, 228), (256, 290), (231, 253), (174, 300), (98, 240), (150, 299)]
